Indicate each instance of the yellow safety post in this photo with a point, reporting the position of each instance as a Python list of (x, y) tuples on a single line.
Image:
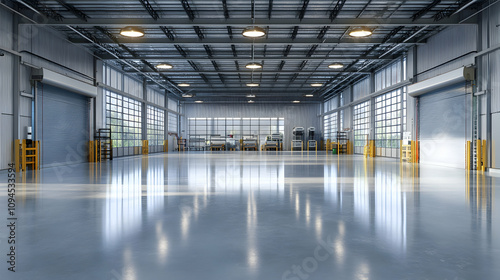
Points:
[(400, 150), (145, 147), (23, 156), (16, 154), (165, 146), (36, 160), (372, 148), (91, 151), (478, 155), (483, 156), (467, 155)]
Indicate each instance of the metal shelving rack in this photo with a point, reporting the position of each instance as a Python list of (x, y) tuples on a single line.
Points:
[(104, 145), (342, 141)]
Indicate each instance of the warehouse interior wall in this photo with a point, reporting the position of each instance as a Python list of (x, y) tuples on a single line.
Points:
[(301, 115), (6, 89), (25, 47), (489, 81)]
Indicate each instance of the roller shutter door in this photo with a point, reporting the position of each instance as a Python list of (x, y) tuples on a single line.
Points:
[(63, 126), (443, 126)]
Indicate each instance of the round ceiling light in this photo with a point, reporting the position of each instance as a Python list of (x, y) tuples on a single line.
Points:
[(183, 84), (250, 95), (132, 31), (296, 101), (253, 65), (187, 95), (360, 32), (199, 101), (251, 101), (336, 65), (309, 95), (254, 32), (316, 84), (164, 66), (252, 84)]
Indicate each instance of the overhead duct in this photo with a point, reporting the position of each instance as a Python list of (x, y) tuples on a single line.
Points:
[(443, 80), (55, 79)]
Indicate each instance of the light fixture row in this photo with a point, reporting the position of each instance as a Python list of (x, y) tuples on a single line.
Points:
[(249, 101)]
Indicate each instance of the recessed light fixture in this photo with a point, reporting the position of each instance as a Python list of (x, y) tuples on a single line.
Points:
[(183, 85), (164, 66), (187, 95), (251, 101), (199, 101), (309, 95), (252, 84), (316, 84), (250, 95), (132, 31), (360, 32), (296, 101), (253, 65), (336, 65), (253, 32)]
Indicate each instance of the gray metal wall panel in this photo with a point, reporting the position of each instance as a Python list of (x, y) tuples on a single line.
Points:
[(443, 122), (495, 159), (6, 29), (304, 115), (495, 81), (361, 89), (6, 90), (6, 140), (6, 84), (53, 46), (63, 124), (448, 44)]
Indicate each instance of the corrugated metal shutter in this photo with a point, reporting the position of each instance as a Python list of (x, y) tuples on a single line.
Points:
[(443, 124), (63, 126)]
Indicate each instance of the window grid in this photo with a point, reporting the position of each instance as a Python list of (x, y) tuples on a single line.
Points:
[(123, 117), (361, 123), (388, 119), (330, 123), (237, 127), (172, 122), (156, 125), (405, 95)]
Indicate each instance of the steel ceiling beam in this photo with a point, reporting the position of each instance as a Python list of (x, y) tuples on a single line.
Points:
[(272, 23), (270, 9), (242, 41), (339, 57), (336, 10), (303, 10), (187, 9), (169, 33), (184, 72), (425, 10), (81, 15), (150, 9)]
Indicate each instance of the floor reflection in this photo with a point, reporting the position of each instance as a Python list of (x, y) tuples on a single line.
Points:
[(256, 215), (123, 204)]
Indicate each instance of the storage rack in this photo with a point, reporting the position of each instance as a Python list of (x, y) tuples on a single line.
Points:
[(342, 141), (102, 147), (197, 143), (26, 152)]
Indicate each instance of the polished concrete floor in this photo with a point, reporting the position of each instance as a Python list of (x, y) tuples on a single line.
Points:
[(253, 216)]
